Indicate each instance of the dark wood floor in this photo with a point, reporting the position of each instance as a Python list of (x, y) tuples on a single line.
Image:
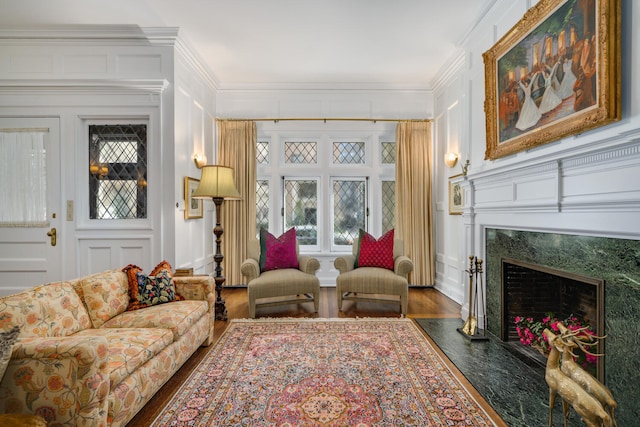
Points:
[(423, 303)]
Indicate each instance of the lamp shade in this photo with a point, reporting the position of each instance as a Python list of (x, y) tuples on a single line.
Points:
[(216, 181)]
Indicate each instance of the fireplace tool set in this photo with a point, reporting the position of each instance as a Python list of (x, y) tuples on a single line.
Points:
[(476, 298)]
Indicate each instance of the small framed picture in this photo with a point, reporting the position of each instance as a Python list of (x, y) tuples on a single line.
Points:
[(192, 207), (456, 197)]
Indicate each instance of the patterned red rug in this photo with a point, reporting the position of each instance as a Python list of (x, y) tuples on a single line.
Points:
[(322, 372)]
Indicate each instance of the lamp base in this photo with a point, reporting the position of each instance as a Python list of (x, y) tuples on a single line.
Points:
[(221, 310)]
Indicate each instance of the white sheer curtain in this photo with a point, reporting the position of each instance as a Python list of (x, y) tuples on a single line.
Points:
[(23, 178)]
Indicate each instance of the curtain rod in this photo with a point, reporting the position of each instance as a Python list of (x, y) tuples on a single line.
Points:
[(325, 119)]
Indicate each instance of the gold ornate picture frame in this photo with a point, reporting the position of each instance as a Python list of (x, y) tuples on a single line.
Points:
[(456, 197), (192, 207), (568, 49)]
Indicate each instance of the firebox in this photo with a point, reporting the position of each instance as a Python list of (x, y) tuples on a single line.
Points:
[(531, 290)]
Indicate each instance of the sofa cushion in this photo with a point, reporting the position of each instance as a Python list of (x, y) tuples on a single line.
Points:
[(106, 295), (278, 252), (130, 348), (52, 310), (376, 252), (178, 317)]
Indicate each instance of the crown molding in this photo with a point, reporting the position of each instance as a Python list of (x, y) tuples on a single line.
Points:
[(59, 33), (76, 85)]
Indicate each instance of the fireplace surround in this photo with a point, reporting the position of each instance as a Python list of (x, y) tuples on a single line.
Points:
[(616, 261)]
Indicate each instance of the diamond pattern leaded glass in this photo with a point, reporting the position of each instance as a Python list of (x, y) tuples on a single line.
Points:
[(262, 152), (300, 209), (117, 199), (118, 171), (301, 152), (262, 206), (388, 205), (348, 152), (388, 152), (348, 210)]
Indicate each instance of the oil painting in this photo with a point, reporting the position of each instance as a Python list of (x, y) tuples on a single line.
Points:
[(555, 73)]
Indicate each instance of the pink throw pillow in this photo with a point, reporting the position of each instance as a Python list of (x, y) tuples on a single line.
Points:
[(278, 252), (376, 252)]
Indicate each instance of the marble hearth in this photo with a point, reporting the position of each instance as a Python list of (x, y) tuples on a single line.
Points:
[(616, 262)]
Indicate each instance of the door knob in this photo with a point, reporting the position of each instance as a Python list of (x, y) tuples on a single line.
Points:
[(52, 234)]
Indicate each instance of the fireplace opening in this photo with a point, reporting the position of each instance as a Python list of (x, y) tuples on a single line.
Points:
[(531, 290)]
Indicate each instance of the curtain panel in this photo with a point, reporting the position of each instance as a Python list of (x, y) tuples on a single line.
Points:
[(414, 212), (237, 149)]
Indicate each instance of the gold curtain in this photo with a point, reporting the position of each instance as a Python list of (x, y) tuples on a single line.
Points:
[(237, 149), (414, 214)]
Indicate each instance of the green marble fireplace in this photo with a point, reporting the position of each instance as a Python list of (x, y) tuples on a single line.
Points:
[(617, 262)]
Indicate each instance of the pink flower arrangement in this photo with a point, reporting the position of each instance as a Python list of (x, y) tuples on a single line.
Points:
[(530, 333)]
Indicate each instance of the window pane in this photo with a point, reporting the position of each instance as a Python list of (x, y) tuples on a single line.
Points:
[(348, 152), (349, 207), (118, 171), (262, 206), (301, 152), (300, 209), (116, 199), (262, 152), (23, 173), (388, 153), (388, 205)]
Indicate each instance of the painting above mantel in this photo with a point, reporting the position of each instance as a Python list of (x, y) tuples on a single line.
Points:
[(556, 73)]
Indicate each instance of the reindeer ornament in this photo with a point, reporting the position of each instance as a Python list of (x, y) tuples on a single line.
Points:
[(586, 405)]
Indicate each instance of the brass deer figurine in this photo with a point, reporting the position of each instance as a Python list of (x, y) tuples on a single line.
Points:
[(577, 339), (585, 405)]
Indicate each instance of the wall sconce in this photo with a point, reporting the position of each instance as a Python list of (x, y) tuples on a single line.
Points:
[(450, 159), (199, 161), (98, 171), (465, 167)]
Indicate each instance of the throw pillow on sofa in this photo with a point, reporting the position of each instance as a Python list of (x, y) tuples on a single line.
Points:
[(153, 289), (7, 339)]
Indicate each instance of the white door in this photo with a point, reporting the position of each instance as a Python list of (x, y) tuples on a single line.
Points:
[(30, 250)]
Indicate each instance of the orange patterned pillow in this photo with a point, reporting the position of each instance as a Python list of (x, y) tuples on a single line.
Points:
[(156, 288)]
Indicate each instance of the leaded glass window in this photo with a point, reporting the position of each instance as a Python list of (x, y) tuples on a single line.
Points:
[(262, 152), (349, 209), (348, 152), (118, 171), (301, 208), (388, 152), (301, 152), (388, 205), (262, 205)]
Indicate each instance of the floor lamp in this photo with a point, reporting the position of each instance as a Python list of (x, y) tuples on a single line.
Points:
[(217, 182)]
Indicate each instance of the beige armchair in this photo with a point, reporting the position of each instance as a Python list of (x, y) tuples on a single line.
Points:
[(363, 282), (266, 288)]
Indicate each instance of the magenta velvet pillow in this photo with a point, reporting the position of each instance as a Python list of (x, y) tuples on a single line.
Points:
[(278, 252), (376, 252)]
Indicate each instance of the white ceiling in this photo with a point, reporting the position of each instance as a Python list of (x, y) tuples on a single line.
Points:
[(276, 42)]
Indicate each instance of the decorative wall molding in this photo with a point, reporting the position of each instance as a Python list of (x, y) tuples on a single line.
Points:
[(85, 85)]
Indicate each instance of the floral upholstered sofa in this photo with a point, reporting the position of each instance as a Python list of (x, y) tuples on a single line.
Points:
[(83, 359)]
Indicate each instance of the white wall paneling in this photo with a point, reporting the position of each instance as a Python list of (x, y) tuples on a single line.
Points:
[(117, 73), (583, 184), (98, 253)]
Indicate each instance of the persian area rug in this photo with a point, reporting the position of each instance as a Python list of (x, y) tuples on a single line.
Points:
[(322, 372)]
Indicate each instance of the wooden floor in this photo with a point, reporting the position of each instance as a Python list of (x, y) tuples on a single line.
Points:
[(423, 303)]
